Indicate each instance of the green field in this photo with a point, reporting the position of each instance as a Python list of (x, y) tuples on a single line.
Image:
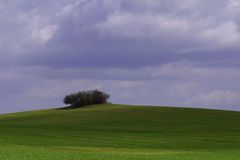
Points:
[(121, 132)]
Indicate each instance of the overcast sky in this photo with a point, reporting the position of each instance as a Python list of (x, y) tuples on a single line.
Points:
[(155, 52)]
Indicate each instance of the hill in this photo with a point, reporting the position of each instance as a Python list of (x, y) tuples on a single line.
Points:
[(121, 132)]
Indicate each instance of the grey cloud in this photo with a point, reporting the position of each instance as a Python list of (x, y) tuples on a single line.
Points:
[(160, 52), (142, 31), (175, 84)]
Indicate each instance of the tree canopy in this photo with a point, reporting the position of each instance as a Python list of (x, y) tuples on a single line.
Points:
[(83, 98)]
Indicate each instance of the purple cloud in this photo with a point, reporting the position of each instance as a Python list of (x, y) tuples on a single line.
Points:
[(179, 52)]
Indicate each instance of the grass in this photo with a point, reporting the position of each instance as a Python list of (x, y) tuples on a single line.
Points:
[(121, 132)]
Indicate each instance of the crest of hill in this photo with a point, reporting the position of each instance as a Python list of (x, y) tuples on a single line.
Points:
[(109, 130)]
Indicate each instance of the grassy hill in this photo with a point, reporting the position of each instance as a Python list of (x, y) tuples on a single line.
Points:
[(121, 132)]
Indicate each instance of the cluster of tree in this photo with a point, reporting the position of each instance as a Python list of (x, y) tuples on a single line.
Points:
[(84, 98)]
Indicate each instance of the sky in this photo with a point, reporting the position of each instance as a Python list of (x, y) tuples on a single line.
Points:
[(149, 52)]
